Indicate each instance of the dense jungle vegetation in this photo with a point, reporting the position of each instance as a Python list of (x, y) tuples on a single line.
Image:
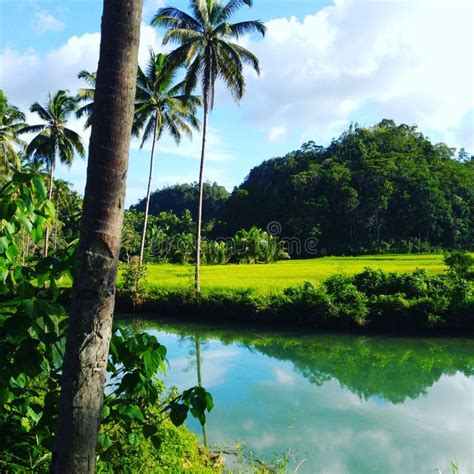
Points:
[(373, 190)]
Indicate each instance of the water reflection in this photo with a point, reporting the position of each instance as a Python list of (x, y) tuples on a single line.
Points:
[(197, 339), (341, 403)]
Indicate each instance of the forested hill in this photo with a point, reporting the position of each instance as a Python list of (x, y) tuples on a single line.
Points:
[(385, 188), (381, 189), (179, 197)]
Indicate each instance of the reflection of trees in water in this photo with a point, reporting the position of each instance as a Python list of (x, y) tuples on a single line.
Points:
[(197, 343), (391, 368), (195, 360), (394, 369)]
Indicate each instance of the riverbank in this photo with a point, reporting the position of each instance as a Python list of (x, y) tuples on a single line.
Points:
[(373, 300)]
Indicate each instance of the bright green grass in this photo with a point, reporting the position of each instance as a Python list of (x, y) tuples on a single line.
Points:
[(275, 277)]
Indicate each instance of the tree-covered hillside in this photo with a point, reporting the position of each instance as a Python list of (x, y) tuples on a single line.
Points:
[(385, 188), (179, 197)]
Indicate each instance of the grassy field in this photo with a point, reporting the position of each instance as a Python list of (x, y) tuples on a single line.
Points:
[(275, 277)]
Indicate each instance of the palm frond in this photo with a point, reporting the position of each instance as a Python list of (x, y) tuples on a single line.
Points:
[(31, 129), (245, 56), (85, 94), (200, 11), (89, 77), (173, 17), (235, 30), (193, 74), (44, 114), (85, 110), (230, 71), (75, 140), (173, 129), (148, 131), (181, 35), (232, 7)]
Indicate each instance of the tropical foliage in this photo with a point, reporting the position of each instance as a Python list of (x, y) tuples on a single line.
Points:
[(12, 120), (181, 197), (205, 48), (160, 106), (171, 238), (373, 190), (33, 324), (85, 96), (373, 300), (53, 140), (381, 189)]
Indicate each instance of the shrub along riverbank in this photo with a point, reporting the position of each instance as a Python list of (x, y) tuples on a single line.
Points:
[(372, 300)]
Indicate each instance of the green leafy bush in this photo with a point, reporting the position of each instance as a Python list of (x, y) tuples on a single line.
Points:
[(459, 263), (371, 300), (33, 329)]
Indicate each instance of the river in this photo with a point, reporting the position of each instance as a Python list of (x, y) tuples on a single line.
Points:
[(331, 403)]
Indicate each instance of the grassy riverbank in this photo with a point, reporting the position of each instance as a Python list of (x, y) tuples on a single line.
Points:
[(274, 278), (372, 300)]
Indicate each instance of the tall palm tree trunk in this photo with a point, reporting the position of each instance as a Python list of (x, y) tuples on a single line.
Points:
[(148, 193), (93, 294), (50, 197), (197, 274), (56, 224)]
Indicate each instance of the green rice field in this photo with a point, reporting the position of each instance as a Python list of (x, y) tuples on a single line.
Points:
[(274, 277)]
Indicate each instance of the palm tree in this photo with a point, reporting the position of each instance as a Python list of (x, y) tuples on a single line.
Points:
[(53, 138), (207, 52), (93, 292), (86, 94), (159, 106), (11, 121)]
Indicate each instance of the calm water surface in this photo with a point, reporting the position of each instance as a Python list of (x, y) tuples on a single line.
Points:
[(339, 403)]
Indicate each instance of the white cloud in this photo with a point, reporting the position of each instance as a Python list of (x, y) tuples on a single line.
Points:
[(410, 61), (276, 133), (32, 75), (45, 21)]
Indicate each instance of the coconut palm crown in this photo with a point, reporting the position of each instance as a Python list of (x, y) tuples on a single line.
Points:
[(205, 47), (160, 105), (53, 140), (160, 101), (12, 119)]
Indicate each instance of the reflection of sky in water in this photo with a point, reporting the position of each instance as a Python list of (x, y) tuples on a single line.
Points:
[(270, 407)]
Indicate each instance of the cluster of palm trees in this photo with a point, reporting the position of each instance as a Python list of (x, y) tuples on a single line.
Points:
[(208, 50)]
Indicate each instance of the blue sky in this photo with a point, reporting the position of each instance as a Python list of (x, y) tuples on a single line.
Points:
[(325, 64)]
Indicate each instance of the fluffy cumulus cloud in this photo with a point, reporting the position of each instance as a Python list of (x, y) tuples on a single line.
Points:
[(359, 59), (32, 75)]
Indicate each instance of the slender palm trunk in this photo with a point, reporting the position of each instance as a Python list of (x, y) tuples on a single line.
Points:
[(56, 225), (148, 193), (50, 196), (197, 274), (93, 294)]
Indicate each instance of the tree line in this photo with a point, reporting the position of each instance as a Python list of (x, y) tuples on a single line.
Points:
[(381, 189)]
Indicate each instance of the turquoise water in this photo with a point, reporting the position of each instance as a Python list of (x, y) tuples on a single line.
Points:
[(332, 403)]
